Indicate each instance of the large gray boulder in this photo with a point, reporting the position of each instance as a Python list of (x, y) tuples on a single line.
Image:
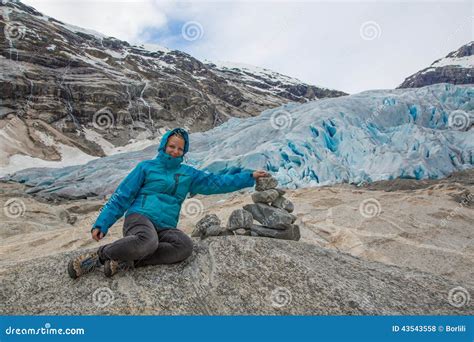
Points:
[(235, 275), (240, 218), (268, 215), (291, 232)]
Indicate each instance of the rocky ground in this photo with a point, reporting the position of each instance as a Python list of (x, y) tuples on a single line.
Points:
[(363, 250)]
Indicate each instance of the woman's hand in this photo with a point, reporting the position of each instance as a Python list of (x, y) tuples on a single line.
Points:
[(97, 234), (260, 173)]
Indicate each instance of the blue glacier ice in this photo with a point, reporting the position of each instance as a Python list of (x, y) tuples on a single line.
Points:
[(369, 136)]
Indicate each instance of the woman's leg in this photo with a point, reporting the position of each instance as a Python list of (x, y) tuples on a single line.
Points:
[(140, 240), (173, 246)]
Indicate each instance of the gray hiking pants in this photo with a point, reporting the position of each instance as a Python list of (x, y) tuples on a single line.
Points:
[(145, 245)]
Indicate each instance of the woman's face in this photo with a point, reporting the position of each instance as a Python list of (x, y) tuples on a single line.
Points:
[(175, 146)]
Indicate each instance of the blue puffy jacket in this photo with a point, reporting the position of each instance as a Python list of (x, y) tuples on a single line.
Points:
[(156, 188)]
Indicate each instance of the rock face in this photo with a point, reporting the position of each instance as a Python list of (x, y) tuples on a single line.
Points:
[(231, 276), (456, 68), (87, 90)]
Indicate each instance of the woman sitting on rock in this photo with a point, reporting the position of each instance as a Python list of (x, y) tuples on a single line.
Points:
[(152, 195)]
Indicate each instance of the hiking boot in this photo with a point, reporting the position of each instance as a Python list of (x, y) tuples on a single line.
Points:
[(83, 264), (113, 266)]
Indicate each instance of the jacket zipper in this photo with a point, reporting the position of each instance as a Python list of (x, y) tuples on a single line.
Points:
[(176, 182)]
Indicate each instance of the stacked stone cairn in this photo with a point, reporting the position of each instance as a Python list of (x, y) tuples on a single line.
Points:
[(270, 208)]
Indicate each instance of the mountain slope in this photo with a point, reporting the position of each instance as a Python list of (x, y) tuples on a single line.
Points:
[(456, 68), (247, 76)]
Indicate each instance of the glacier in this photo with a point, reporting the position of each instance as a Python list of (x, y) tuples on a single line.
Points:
[(373, 135)]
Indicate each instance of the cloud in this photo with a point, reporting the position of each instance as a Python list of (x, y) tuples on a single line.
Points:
[(318, 42), (121, 19)]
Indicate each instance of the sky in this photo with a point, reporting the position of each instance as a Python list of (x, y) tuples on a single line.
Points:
[(345, 45)]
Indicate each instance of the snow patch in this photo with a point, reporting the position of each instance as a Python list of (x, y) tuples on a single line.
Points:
[(109, 149), (69, 156), (463, 62)]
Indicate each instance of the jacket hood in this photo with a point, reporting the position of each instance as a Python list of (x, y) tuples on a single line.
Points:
[(165, 159), (164, 139)]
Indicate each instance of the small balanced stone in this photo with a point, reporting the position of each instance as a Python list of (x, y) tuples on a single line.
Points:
[(266, 196), (266, 183)]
